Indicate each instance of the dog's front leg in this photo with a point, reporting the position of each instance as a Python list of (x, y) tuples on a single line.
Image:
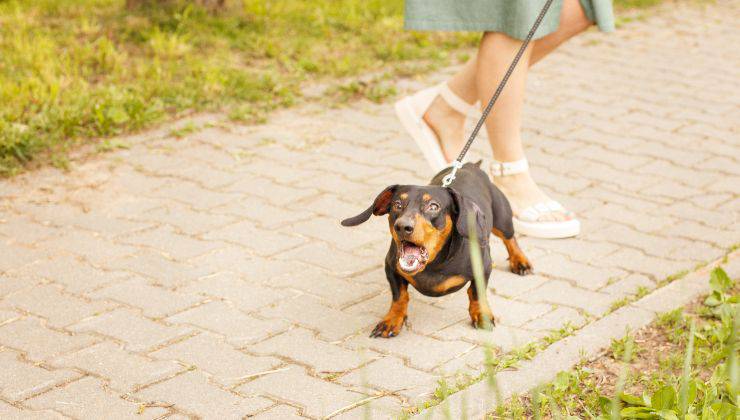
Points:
[(391, 324)]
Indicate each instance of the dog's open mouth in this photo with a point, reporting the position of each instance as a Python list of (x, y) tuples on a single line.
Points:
[(411, 257)]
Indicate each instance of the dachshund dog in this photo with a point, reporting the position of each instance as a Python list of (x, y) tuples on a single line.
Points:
[(430, 246)]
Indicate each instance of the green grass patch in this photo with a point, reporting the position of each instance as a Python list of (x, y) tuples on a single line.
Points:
[(71, 71), (683, 366), (636, 4)]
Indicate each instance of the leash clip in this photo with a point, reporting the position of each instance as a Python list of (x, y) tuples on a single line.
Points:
[(447, 180)]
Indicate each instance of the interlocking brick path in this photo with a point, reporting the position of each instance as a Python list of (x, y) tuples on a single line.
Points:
[(209, 276)]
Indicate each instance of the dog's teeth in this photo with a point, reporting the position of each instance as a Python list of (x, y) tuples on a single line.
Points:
[(408, 266)]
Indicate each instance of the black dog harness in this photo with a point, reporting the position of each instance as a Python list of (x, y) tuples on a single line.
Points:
[(457, 164)]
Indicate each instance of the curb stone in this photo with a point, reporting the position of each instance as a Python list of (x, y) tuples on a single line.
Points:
[(587, 343)]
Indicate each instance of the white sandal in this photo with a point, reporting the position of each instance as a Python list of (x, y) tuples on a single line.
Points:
[(411, 110), (527, 222)]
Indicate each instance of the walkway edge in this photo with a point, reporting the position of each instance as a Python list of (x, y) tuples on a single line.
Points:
[(586, 344)]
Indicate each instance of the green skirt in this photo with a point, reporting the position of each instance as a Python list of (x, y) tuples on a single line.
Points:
[(513, 17)]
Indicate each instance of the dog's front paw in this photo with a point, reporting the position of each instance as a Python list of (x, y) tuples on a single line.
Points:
[(519, 264), (388, 327), (482, 319)]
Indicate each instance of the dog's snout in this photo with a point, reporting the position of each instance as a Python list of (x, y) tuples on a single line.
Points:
[(404, 226)]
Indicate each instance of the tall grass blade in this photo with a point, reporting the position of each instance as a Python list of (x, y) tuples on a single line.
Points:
[(683, 393), (477, 263), (446, 402), (464, 407), (476, 260), (616, 405), (554, 409), (536, 403), (733, 370)]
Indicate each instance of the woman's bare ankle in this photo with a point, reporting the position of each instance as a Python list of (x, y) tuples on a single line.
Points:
[(448, 125)]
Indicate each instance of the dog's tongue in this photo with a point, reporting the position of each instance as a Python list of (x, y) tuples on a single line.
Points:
[(411, 250), (411, 257)]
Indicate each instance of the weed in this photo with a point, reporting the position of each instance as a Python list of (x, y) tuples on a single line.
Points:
[(624, 349), (107, 145), (618, 304), (375, 91), (183, 131), (77, 70), (638, 4), (641, 292), (706, 386)]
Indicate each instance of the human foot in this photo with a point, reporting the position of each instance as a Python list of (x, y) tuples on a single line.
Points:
[(448, 125), (435, 119), (523, 193)]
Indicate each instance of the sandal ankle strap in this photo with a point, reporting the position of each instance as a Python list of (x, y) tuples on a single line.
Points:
[(509, 168), (455, 102)]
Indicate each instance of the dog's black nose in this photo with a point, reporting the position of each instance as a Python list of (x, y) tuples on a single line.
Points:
[(404, 226)]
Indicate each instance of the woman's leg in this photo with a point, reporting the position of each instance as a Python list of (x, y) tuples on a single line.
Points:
[(573, 21), (482, 74), (448, 124), (504, 123)]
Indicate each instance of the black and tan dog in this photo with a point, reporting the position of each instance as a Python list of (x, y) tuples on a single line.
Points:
[(430, 247)]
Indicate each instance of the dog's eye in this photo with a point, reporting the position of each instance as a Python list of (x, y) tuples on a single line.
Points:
[(433, 207), (397, 205)]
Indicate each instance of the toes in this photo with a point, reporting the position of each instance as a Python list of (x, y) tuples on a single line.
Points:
[(390, 332), (547, 217), (521, 267), (551, 217), (555, 216), (379, 330), (386, 330), (486, 322), (479, 322)]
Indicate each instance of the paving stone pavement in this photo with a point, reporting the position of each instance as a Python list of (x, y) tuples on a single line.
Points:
[(208, 275)]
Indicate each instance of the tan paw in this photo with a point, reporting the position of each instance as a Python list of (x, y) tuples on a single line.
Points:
[(388, 327)]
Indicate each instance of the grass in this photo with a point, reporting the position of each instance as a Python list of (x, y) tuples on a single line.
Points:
[(492, 363), (624, 348), (78, 71), (683, 366), (636, 4), (71, 71)]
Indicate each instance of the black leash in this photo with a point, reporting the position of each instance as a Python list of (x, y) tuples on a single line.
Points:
[(457, 164)]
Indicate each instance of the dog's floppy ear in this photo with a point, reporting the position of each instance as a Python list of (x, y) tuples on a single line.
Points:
[(463, 208), (380, 206)]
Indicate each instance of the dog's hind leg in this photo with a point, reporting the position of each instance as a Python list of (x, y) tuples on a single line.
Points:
[(503, 227), (518, 262)]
